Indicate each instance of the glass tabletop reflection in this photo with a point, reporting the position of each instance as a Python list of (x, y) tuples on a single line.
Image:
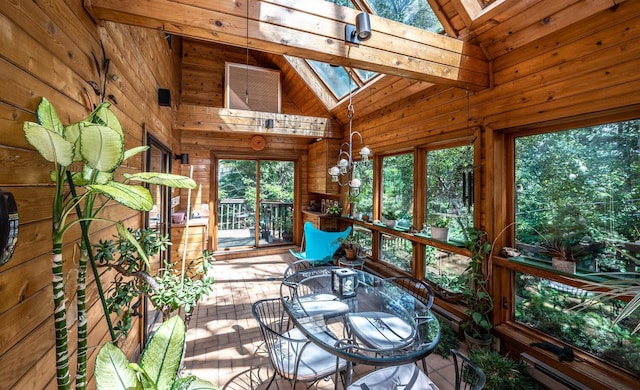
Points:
[(359, 316)]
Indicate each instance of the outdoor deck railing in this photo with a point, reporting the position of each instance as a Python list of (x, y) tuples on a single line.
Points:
[(276, 218)]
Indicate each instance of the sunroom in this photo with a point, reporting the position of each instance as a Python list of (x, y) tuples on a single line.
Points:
[(513, 127)]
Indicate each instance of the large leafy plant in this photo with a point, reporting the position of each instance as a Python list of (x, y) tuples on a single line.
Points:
[(159, 363), (95, 147)]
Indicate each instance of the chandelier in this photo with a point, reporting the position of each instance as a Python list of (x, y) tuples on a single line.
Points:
[(343, 171)]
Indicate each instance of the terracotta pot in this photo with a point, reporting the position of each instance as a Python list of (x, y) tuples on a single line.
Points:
[(350, 254)]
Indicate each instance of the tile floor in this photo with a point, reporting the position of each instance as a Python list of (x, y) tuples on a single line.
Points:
[(223, 339)]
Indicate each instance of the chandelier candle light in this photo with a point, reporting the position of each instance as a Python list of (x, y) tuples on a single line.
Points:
[(346, 165)]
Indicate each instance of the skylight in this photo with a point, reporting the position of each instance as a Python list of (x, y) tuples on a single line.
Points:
[(415, 13), (335, 77)]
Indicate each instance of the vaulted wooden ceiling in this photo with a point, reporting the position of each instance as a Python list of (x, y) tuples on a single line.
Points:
[(478, 34)]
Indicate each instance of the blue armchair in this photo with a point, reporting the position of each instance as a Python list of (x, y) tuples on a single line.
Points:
[(319, 246)]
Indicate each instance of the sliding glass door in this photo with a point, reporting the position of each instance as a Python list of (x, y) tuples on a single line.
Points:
[(255, 203)]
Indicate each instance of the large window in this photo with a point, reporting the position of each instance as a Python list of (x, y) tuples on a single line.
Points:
[(578, 191), (577, 197)]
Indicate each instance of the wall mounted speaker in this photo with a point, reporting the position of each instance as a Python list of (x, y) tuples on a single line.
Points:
[(164, 97)]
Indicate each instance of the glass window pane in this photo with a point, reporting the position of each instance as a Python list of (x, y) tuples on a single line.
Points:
[(416, 13), (344, 3), (365, 75), (397, 189), (549, 307), (237, 181), (445, 269), (336, 78), (276, 200), (449, 199), (362, 236), (396, 251), (577, 189), (364, 201)]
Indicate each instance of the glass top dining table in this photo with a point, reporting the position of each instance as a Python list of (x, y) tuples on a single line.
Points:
[(381, 325)]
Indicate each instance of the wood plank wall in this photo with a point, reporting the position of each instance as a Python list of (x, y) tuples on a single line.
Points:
[(46, 49), (203, 77)]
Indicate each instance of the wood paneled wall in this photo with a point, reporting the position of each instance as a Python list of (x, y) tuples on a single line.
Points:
[(47, 49), (203, 78)]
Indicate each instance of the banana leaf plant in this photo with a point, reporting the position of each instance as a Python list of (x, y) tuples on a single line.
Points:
[(159, 363), (96, 146)]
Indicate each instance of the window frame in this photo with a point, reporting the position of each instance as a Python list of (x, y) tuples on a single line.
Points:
[(504, 270)]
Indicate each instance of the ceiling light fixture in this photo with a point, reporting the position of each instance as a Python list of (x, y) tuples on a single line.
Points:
[(360, 32), (346, 166)]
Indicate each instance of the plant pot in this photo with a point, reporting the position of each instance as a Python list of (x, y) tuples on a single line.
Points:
[(440, 234), (561, 265), (391, 223), (478, 343), (350, 254)]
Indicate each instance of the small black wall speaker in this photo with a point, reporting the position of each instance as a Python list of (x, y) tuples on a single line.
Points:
[(164, 97)]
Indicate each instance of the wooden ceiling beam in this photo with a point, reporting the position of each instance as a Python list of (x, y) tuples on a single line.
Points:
[(312, 29)]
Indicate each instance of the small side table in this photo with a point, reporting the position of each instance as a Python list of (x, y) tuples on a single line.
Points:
[(357, 263)]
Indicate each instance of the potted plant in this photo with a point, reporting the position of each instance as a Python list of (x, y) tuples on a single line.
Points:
[(287, 227), (86, 154), (389, 217), (502, 372), (334, 210), (562, 252), (440, 229), (351, 248), (477, 327)]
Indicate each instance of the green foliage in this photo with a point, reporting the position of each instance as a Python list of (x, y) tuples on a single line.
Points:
[(555, 309), (479, 301), (96, 144), (441, 222), (159, 364), (448, 339), (448, 170), (410, 12), (579, 183), (453, 283), (502, 372), (334, 210), (397, 187), (168, 291)]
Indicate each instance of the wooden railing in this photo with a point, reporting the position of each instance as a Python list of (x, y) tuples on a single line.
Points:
[(234, 214), (276, 218)]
